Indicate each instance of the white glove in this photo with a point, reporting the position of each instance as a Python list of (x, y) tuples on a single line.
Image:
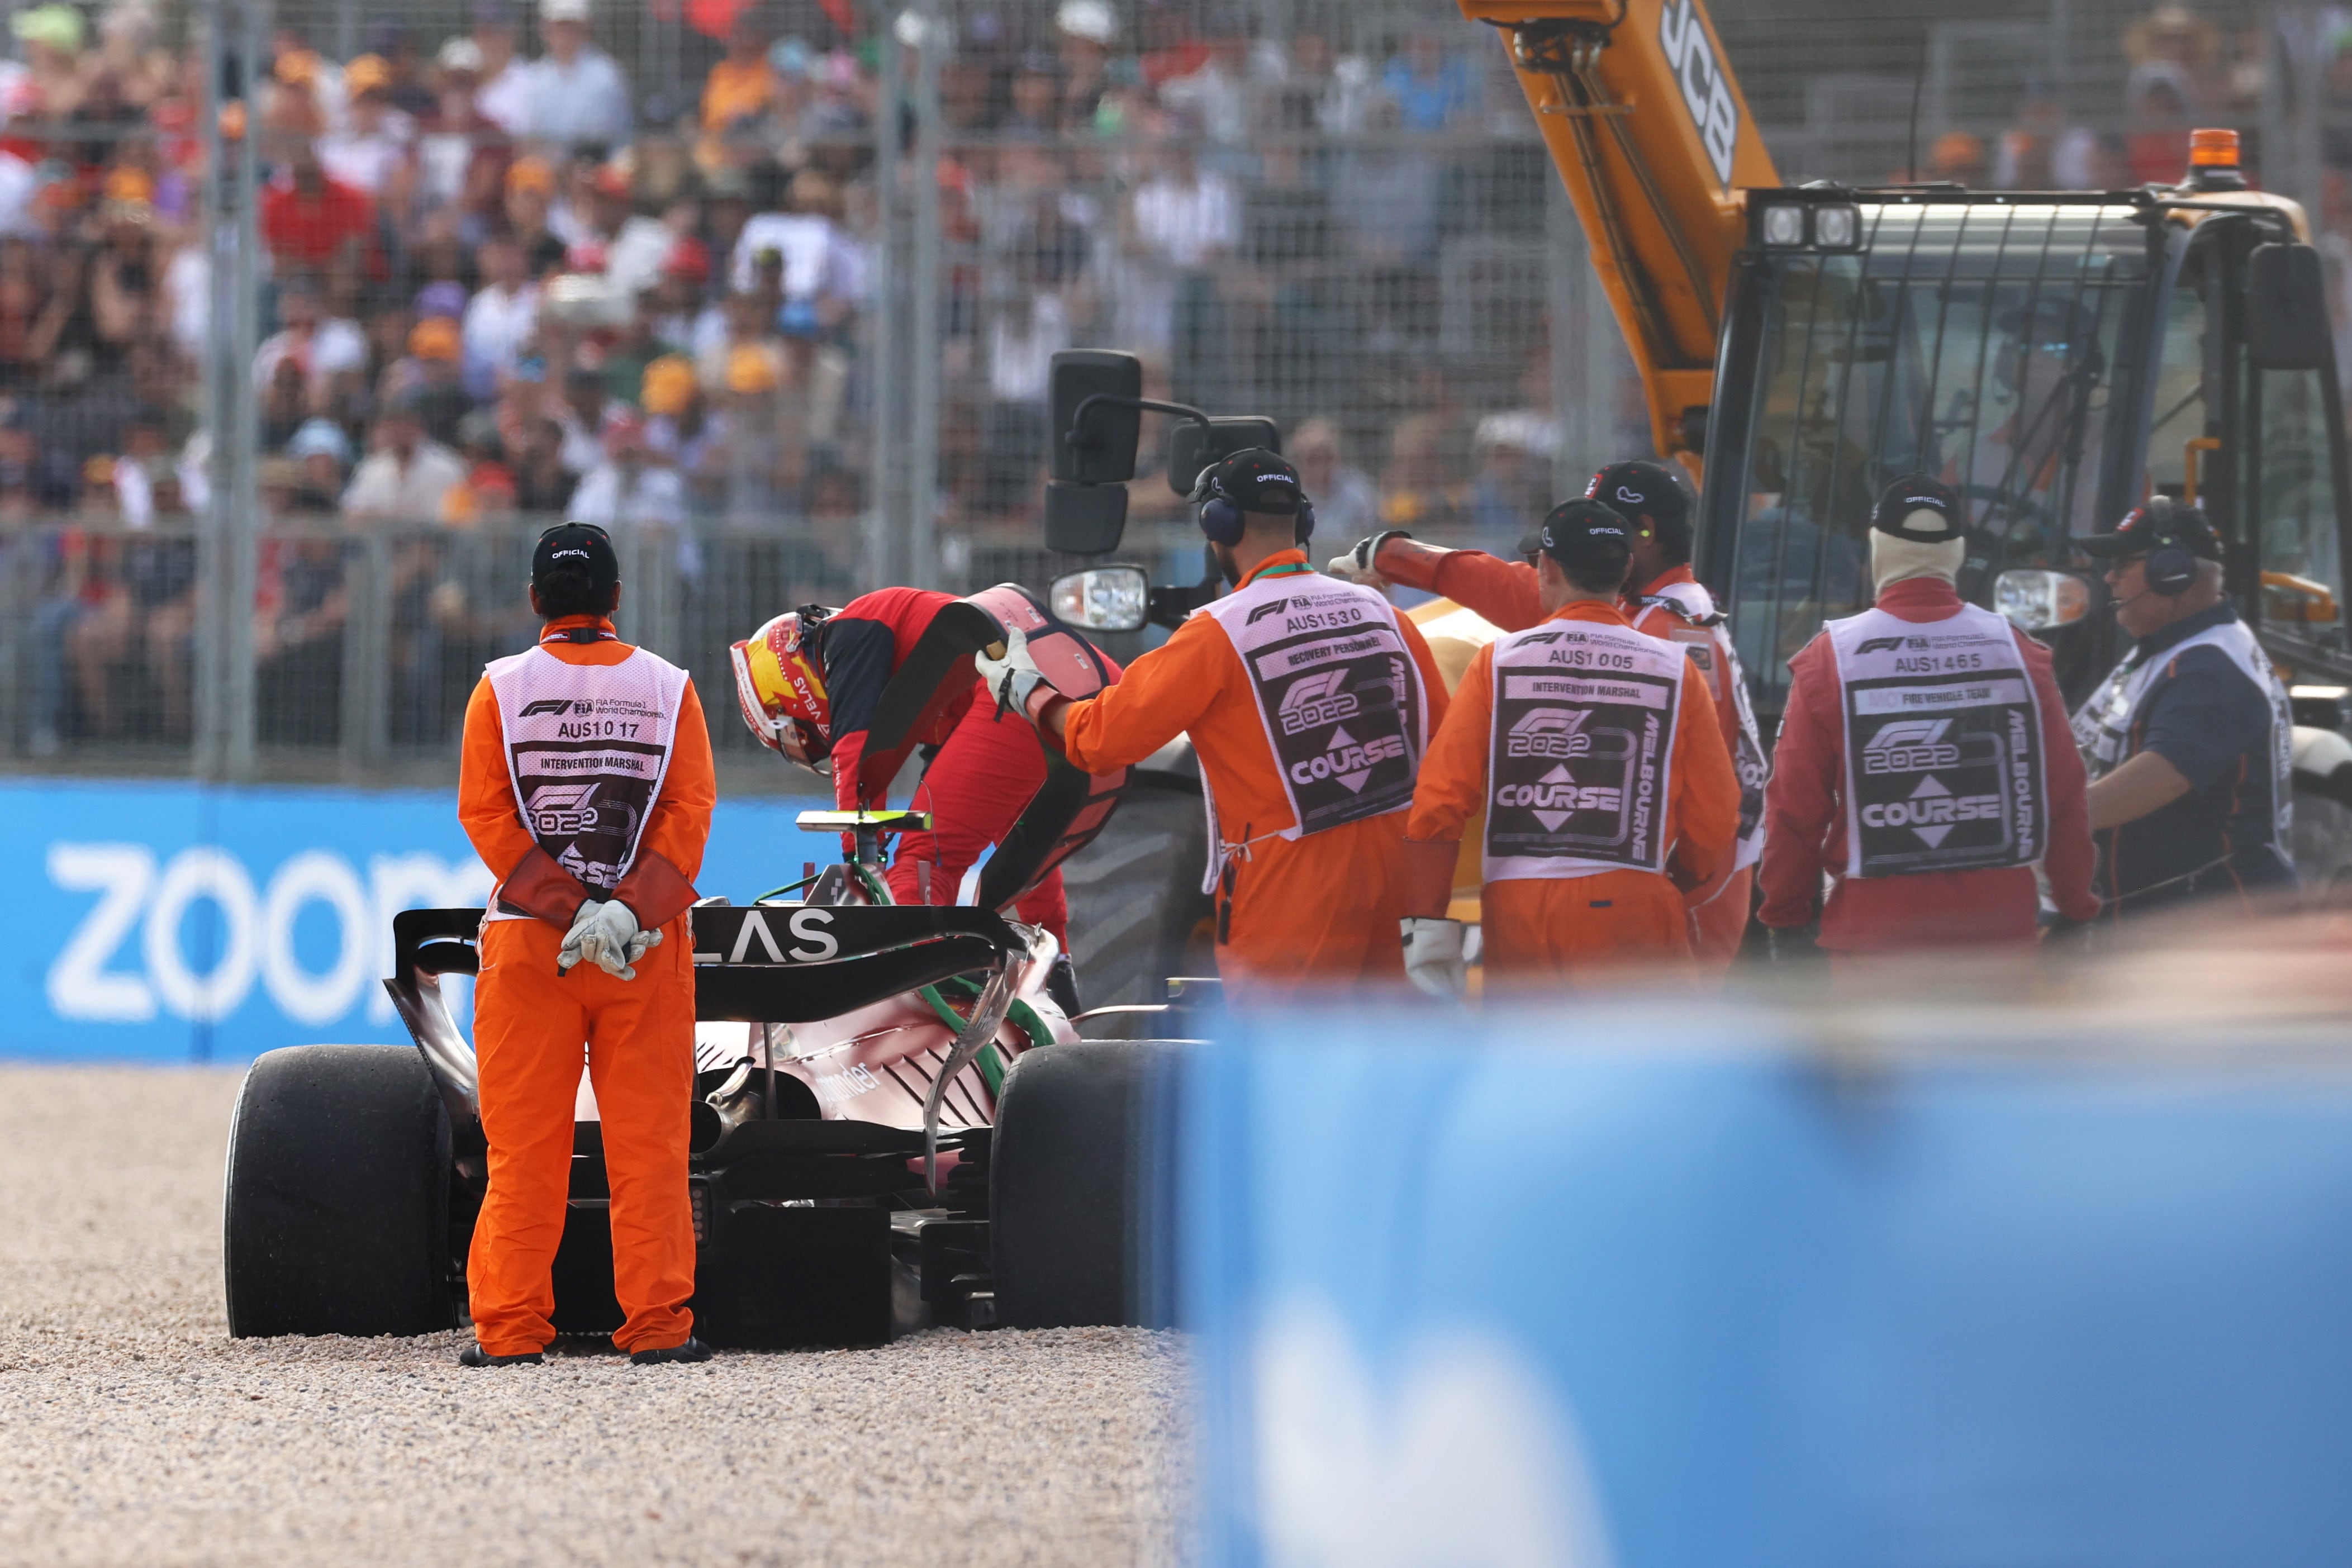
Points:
[(612, 940), (569, 952), (1012, 678), (1355, 564), (1432, 955)]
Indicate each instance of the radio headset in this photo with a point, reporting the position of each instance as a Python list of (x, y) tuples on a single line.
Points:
[(2170, 571), (1221, 517)]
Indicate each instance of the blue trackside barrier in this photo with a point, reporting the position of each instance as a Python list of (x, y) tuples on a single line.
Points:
[(1660, 1291), (172, 921)]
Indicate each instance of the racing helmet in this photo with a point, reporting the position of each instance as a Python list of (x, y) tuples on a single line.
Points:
[(780, 686)]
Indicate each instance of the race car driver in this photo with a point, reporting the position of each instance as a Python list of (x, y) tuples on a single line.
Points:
[(808, 683), (1664, 599), (1309, 702), (586, 777), (1925, 764), (1606, 785)]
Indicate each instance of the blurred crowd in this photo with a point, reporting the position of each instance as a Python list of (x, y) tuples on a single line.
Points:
[(502, 279), (511, 272)]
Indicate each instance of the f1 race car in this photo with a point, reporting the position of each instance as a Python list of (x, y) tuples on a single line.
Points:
[(894, 1121)]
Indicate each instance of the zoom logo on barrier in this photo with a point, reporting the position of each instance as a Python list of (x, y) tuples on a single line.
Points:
[(129, 959), (174, 922)]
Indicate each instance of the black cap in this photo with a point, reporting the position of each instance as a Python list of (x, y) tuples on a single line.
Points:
[(1255, 479), (1901, 501), (1586, 534), (2160, 524), (1640, 488), (576, 547)]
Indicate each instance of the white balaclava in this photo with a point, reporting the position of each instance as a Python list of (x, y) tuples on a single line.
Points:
[(1916, 531)]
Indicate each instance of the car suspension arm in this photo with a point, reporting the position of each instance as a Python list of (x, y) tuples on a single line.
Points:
[(987, 1016)]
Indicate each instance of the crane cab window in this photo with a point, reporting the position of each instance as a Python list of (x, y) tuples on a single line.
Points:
[(1971, 340)]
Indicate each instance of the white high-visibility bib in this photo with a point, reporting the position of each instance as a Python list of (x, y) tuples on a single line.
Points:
[(1339, 694), (1580, 748), (1708, 641), (2103, 725), (1944, 770), (588, 747)]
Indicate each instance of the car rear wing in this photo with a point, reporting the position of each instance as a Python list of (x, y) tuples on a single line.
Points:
[(774, 963)]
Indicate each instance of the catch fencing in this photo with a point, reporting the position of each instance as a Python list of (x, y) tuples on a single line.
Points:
[(1337, 216)]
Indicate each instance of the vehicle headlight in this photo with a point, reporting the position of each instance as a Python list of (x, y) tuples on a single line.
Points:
[(2036, 601), (1102, 599), (1783, 224), (1837, 227)]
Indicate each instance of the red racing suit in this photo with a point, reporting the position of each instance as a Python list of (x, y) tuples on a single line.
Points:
[(1805, 819), (985, 770)]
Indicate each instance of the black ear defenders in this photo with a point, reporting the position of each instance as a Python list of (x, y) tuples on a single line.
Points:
[(2170, 571), (1222, 519)]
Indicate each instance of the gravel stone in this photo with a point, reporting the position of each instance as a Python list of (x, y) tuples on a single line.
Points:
[(136, 1431)]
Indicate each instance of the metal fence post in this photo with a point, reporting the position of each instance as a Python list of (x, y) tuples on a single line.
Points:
[(228, 553), (366, 735), (923, 555), (634, 619), (659, 617), (884, 390)]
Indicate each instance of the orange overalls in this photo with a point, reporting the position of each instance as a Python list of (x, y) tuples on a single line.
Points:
[(1323, 907), (531, 1024), (1564, 929), (1504, 592)]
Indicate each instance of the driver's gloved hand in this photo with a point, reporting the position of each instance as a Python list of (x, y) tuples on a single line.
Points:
[(1012, 677)]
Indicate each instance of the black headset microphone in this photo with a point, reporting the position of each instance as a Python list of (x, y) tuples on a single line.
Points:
[(2169, 572)]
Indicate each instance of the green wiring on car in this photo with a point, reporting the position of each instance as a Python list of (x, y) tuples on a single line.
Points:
[(1020, 1014)]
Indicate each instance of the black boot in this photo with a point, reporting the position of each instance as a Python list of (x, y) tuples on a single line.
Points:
[(694, 1350), (475, 1355)]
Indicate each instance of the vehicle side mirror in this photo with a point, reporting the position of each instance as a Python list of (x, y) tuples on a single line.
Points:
[(2038, 601), (1083, 520), (1192, 447), (1102, 599), (1098, 448), (2286, 309)]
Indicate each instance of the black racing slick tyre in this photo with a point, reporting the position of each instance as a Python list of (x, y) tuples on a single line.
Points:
[(1078, 1168), (336, 1219)]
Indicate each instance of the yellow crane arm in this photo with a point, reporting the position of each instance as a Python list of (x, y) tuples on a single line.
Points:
[(1653, 139)]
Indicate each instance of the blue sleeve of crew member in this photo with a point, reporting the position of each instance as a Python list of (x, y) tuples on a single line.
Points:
[(2207, 716)]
